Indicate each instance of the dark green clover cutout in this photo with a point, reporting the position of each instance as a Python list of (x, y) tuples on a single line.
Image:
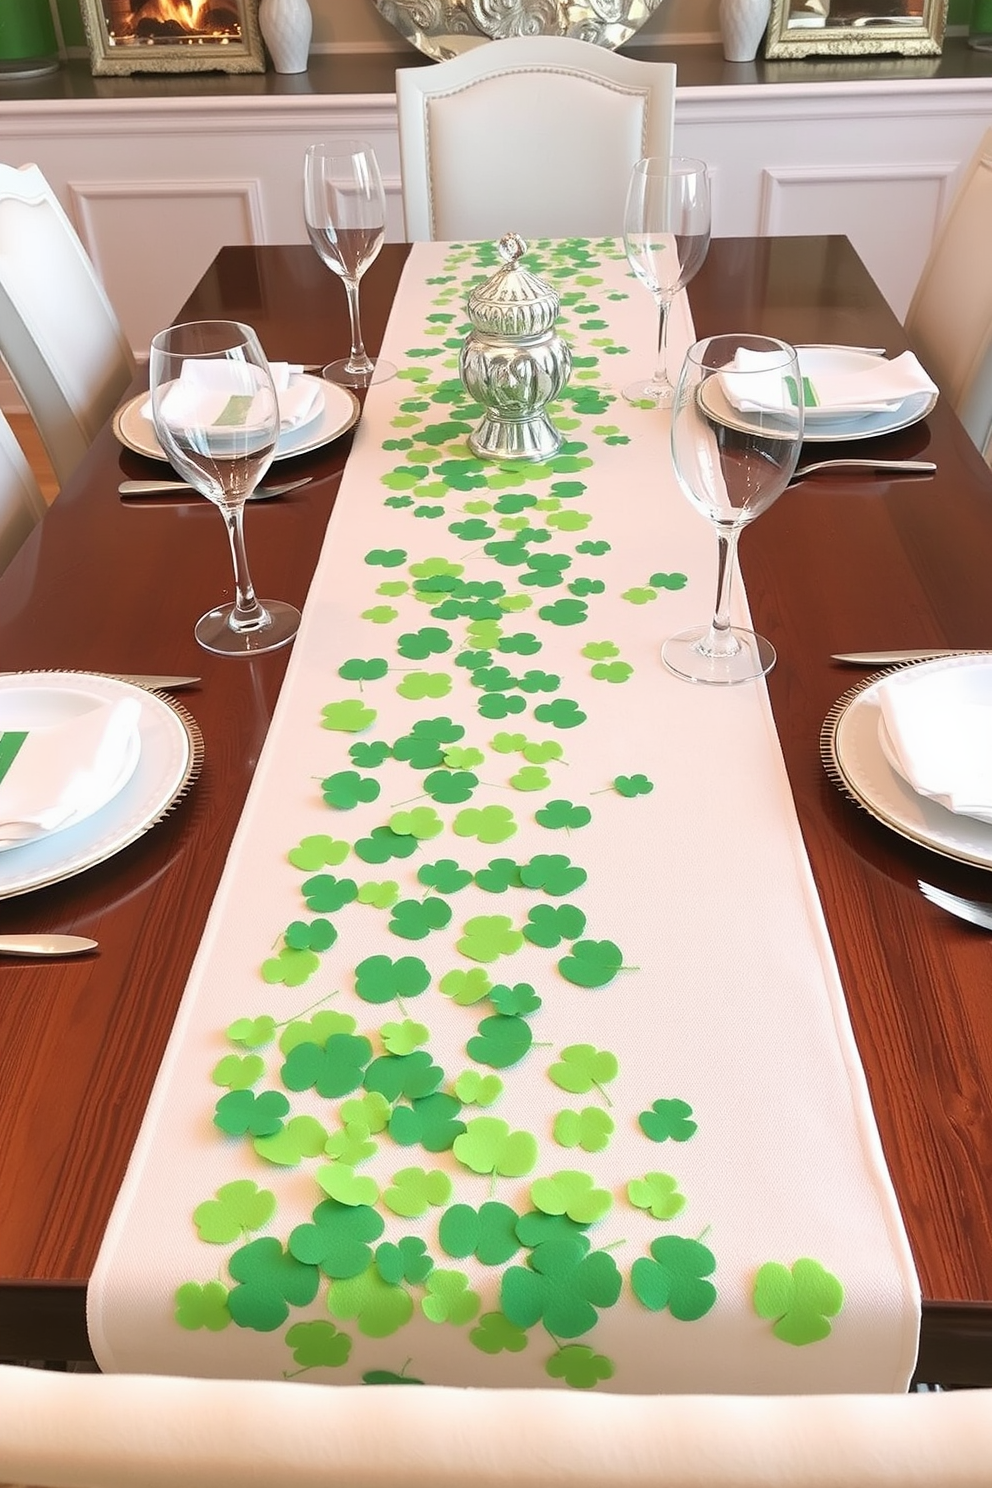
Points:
[(411, 1075), (333, 1070), (269, 1282), (325, 892), (500, 875), (675, 1278), (241, 1113), (389, 1377), (312, 935), (668, 580), (444, 876), (369, 756), (579, 1366), (432, 1121), (407, 1260), (549, 924), (563, 814), (563, 713), (383, 843), (386, 557), (563, 1288), (414, 919), (516, 1001), (380, 979), (347, 788), (668, 1118), (318, 1345), (450, 786), (632, 785), (501, 1041), (554, 873), (363, 669), (592, 963), (800, 1299), (488, 1233), (340, 1238)]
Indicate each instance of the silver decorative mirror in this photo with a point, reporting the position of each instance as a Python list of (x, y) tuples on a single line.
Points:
[(445, 28), (844, 28)]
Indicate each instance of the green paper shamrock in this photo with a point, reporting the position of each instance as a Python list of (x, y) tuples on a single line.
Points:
[(378, 1308), (675, 1278), (571, 1193), (459, 758), (388, 1377), (552, 872), (202, 1306), (310, 935), (444, 876), (403, 1038), (500, 1042), (589, 1129), (539, 753), (800, 1299), (449, 1298), (488, 1146), (269, 1282), (410, 1075), (500, 875), (583, 1068), (579, 1366), (558, 814), (475, 1089), (302, 1136), (315, 1030), (380, 895), (658, 1193), (425, 685), (432, 1121), (639, 596), (380, 979), (414, 1191), (488, 1233), (465, 987), (418, 645), (487, 937), (238, 1071), (371, 1111), (593, 963), (318, 851), (347, 788), (495, 1334), (521, 644), (489, 824), (422, 823), (242, 1113), (515, 1001), (333, 1070), (668, 1118), (565, 612), (391, 557), (668, 580), (236, 1209), (408, 1260), (451, 786), (383, 843), (592, 549), (380, 614), (530, 778), (339, 1240), (359, 669), (414, 919), (350, 1146), (632, 785), (368, 756), (499, 705), (563, 713), (349, 716), (318, 1345), (252, 1033), (340, 1181), (563, 1287), (508, 743), (611, 671), (549, 924), (535, 1228), (325, 893), (600, 650)]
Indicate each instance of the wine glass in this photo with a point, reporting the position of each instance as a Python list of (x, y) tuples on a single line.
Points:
[(216, 415), (737, 429), (666, 236), (345, 209)]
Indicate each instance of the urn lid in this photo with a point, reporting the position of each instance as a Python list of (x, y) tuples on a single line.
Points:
[(514, 304)]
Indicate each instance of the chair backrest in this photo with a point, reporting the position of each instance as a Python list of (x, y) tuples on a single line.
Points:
[(144, 1431), (59, 336), (21, 502), (949, 321), (534, 135)]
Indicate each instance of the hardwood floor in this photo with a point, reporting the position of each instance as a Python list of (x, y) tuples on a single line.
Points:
[(30, 441)]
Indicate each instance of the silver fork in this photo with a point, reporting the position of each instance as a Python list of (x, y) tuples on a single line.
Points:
[(975, 911), (176, 487), (914, 467)]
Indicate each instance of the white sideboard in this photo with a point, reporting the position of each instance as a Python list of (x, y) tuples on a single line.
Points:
[(158, 174)]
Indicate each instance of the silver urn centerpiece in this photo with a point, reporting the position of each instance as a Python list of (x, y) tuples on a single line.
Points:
[(513, 362)]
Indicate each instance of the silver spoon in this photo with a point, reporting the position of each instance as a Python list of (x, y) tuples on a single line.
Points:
[(45, 945), (916, 467), (155, 487)]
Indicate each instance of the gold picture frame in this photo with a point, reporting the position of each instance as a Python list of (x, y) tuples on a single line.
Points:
[(126, 36), (855, 28)]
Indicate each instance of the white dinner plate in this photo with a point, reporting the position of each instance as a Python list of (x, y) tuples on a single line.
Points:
[(854, 759), (820, 426), (339, 412), (168, 762)]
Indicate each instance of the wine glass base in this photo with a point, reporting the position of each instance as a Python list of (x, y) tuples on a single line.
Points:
[(338, 372), (646, 393), (683, 655), (214, 632)]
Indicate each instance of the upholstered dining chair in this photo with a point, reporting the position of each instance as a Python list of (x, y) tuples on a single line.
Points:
[(59, 335), (949, 320), (21, 502), (535, 135), (148, 1431)]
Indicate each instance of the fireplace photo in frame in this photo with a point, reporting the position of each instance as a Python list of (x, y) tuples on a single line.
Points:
[(126, 36)]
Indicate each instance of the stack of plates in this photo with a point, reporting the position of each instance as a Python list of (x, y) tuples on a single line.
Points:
[(863, 759), (160, 766)]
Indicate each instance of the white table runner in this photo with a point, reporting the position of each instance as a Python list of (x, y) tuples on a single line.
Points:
[(537, 1069)]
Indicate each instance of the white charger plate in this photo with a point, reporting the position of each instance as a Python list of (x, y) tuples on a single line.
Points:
[(168, 763), (819, 425), (852, 755), (338, 413)]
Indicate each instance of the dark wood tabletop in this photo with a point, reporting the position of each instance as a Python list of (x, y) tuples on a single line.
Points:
[(839, 563)]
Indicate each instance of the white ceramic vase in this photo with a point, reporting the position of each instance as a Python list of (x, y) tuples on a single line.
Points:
[(742, 25), (286, 27)]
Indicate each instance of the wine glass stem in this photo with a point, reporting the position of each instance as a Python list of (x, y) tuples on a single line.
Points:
[(358, 361), (661, 369), (721, 640), (247, 614)]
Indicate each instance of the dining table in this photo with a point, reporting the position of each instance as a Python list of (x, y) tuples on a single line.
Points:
[(844, 561)]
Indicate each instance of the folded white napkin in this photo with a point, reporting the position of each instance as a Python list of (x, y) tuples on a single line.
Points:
[(877, 388), (206, 390), (935, 730), (61, 773)]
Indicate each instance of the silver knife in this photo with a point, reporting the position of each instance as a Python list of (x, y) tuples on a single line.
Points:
[(45, 945), (892, 658), (149, 681)]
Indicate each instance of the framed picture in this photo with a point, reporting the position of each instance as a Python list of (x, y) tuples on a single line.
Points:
[(850, 28), (127, 36)]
